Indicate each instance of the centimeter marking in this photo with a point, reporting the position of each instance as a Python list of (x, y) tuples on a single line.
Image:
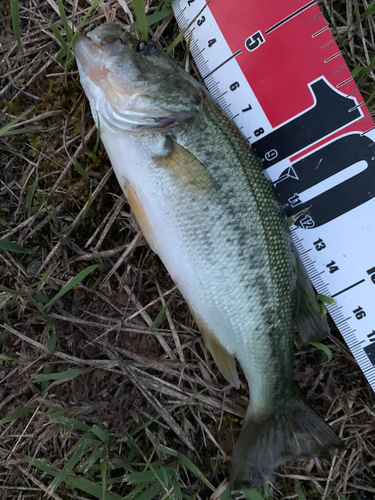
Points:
[(277, 72)]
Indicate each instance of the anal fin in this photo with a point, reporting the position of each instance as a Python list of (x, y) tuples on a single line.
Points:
[(224, 359)]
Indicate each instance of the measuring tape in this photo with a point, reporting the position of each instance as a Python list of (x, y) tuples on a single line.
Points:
[(276, 70)]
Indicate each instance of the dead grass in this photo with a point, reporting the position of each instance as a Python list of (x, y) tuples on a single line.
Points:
[(132, 374)]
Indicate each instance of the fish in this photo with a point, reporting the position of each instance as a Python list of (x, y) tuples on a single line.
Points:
[(200, 196)]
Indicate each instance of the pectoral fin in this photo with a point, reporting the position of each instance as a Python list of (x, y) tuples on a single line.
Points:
[(186, 167), (224, 360)]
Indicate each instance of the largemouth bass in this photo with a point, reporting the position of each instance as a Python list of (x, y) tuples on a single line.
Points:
[(205, 207)]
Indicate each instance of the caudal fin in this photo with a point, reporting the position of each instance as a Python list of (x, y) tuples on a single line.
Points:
[(265, 444)]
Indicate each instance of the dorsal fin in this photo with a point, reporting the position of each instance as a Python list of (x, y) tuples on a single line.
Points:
[(311, 323)]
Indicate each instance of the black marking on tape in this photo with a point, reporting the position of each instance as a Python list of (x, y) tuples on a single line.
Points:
[(344, 82), (355, 92), (316, 17), (319, 32), (342, 320), (357, 343), (332, 57), (291, 16), (356, 107), (348, 288), (339, 69), (222, 64), (369, 130)]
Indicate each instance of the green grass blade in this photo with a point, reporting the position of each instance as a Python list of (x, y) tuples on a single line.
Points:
[(70, 423), (100, 434), (103, 470), (20, 412), (176, 41), (9, 246), (170, 410), (252, 494), (327, 351), (15, 11), (300, 494), (151, 493), (154, 18), (81, 171), (186, 53), (370, 10), (6, 358), (45, 384), (30, 195), (326, 299), (3, 301), (80, 483), (148, 476), (64, 20), (89, 201), (188, 464), (18, 131), (140, 12), (71, 373), (62, 42), (72, 283), (128, 460), (4, 131), (177, 490), (51, 334), (161, 313), (356, 71), (226, 495), (89, 462), (74, 459)]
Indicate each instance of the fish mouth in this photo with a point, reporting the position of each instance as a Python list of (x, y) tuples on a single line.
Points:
[(132, 84), (92, 57), (119, 96)]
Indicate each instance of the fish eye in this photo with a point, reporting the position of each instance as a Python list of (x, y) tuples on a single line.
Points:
[(146, 48)]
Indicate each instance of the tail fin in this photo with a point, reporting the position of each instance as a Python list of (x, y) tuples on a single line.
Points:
[(265, 444)]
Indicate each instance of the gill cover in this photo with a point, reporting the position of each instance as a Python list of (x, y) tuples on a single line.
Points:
[(132, 84)]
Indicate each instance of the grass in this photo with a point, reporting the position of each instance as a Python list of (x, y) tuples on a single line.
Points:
[(107, 390)]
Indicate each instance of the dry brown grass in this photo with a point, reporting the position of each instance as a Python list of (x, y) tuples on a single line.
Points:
[(131, 373)]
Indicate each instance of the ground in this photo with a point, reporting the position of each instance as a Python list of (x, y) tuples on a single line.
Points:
[(100, 393)]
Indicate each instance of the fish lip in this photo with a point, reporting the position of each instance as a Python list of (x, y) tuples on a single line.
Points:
[(87, 51)]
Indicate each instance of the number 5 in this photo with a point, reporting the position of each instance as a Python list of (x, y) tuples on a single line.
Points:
[(254, 41)]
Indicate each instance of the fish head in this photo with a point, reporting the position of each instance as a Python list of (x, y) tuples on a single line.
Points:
[(132, 84)]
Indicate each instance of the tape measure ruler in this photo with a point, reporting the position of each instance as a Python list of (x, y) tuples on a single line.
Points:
[(276, 70)]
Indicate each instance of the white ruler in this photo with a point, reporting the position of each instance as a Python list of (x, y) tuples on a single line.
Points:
[(277, 72)]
